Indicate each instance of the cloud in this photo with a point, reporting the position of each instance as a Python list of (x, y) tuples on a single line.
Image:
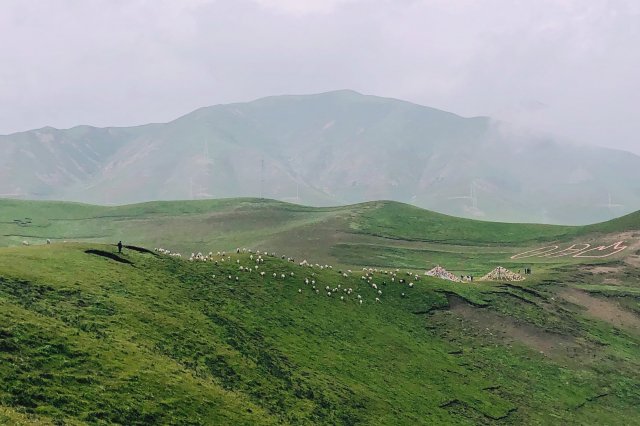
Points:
[(116, 62), (303, 7)]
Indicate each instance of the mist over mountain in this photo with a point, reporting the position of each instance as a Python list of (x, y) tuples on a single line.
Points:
[(327, 149)]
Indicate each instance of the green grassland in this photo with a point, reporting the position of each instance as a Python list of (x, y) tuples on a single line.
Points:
[(88, 335), (320, 233)]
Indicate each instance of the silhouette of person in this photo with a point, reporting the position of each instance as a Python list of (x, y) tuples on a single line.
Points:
[(119, 246)]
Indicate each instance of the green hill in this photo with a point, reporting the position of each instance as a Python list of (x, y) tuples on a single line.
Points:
[(88, 335), (382, 233)]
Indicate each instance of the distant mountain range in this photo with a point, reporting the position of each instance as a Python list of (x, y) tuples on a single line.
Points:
[(326, 149)]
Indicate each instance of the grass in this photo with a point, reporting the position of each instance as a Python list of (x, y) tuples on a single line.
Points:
[(331, 235), (88, 335), (86, 338)]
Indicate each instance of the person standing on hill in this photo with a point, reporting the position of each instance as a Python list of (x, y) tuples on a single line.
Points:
[(119, 246)]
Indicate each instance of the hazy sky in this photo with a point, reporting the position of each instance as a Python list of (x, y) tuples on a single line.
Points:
[(570, 67)]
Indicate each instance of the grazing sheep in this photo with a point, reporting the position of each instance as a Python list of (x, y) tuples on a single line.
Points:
[(410, 284), (377, 300), (299, 290), (25, 243), (48, 241)]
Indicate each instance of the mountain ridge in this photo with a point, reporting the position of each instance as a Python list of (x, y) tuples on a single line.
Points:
[(338, 147)]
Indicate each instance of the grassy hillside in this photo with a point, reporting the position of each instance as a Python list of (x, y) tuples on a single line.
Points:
[(87, 335), (385, 233)]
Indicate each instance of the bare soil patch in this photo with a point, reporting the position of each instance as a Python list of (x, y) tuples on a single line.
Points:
[(603, 309), (510, 331), (603, 269), (633, 261)]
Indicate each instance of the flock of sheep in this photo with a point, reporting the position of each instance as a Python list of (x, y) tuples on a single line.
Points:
[(372, 279)]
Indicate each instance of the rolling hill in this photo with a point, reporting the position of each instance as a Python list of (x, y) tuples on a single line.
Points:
[(367, 234), (327, 149), (88, 335)]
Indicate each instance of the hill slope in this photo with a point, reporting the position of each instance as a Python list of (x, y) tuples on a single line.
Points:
[(377, 233), (88, 335), (333, 148)]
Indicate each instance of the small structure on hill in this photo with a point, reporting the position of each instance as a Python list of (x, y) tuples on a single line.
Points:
[(440, 272), (502, 274)]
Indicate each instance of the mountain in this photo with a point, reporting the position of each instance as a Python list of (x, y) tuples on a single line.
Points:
[(327, 149)]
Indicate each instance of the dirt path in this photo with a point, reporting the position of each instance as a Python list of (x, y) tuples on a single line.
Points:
[(603, 309)]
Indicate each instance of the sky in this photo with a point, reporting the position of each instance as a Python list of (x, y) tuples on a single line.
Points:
[(568, 68)]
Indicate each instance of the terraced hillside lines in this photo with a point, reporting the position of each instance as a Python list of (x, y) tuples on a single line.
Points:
[(214, 342)]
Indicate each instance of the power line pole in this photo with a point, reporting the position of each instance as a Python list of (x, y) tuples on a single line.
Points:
[(262, 178)]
